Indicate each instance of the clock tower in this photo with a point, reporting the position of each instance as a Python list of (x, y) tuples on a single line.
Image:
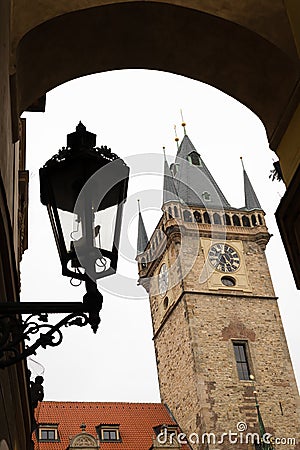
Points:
[(223, 364)]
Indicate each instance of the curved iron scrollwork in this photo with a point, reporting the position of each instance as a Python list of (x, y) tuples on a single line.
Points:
[(14, 331)]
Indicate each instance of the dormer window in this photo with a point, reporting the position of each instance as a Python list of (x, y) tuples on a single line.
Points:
[(48, 433), (194, 158), (109, 433)]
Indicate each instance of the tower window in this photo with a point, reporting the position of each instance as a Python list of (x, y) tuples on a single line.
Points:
[(206, 217), (226, 219), (197, 217), (241, 358), (246, 221), (217, 218), (236, 220), (206, 196), (176, 211), (228, 281), (194, 159), (187, 216)]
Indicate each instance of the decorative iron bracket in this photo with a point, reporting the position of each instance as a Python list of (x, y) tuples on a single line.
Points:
[(14, 330)]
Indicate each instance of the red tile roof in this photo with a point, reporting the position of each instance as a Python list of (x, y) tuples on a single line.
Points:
[(136, 422)]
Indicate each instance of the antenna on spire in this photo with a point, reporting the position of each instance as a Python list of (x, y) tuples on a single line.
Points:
[(139, 207), (183, 124), (176, 137), (164, 152)]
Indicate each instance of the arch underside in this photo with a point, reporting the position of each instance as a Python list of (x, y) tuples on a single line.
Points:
[(153, 35)]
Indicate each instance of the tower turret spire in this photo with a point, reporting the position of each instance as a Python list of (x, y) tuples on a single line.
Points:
[(142, 239), (251, 200), (170, 191), (194, 182)]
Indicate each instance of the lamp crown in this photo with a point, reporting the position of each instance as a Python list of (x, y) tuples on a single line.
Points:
[(81, 138)]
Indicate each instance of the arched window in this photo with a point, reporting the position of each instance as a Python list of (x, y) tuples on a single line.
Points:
[(197, 217), (217, 218), (187, 216), (260, 219), (170, 212), (253, 220), (206, 217), (236, 220), (194, 159), (176, 211), (226, 219), (143, 263), (246, 221)]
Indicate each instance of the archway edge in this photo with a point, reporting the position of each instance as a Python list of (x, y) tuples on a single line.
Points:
[(156, 35)]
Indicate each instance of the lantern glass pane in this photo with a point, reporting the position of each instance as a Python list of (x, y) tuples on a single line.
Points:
[(104, 226)]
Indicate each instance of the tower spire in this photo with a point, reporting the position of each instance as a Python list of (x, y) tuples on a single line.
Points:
[(183, 123), (251, 200), (176, 137), (142, 239), (170, 191), (194, 182)]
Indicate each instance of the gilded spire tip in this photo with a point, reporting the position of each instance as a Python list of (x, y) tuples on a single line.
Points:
[(176, 137), (183, 123)]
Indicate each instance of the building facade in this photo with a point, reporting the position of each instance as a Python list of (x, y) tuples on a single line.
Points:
[(217, 329), (123, 426)]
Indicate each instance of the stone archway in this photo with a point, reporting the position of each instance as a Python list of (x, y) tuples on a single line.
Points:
[(214, 48)]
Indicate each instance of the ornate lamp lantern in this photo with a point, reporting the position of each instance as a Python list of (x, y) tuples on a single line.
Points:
[(84, 188)]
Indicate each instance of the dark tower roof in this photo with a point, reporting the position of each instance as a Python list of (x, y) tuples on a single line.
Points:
[(142, 239), (194, 182), (170, 191), (251, 200)]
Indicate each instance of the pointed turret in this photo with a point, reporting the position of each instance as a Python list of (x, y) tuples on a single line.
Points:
[(195, 184), (142, 239), (170, 192), (251, 200)]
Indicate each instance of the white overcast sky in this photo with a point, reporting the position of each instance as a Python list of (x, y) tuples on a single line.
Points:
[(133, 112)]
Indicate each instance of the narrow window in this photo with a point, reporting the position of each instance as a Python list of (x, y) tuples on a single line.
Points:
[(170, 212), (260, 219), (236, 220), (253, 220), (194, 159), (226, 219), (240, 353), (187, 216), (206, 217), (246, 221), (217, 219), (176, 211), (197, 217)]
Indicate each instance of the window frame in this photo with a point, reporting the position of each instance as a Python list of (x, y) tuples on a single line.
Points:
[(106, 428), (242, 365), (47, 428)]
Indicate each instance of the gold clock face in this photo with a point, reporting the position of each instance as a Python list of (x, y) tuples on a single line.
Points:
[(224, 258), (163, 279)]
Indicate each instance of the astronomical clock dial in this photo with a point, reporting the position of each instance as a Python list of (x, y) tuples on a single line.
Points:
[(224, 258), (163, 279)]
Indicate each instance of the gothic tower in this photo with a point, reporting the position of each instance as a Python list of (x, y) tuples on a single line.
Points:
[(216, 322)]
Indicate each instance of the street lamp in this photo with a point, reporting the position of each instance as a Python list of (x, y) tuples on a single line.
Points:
[(84, 188)]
